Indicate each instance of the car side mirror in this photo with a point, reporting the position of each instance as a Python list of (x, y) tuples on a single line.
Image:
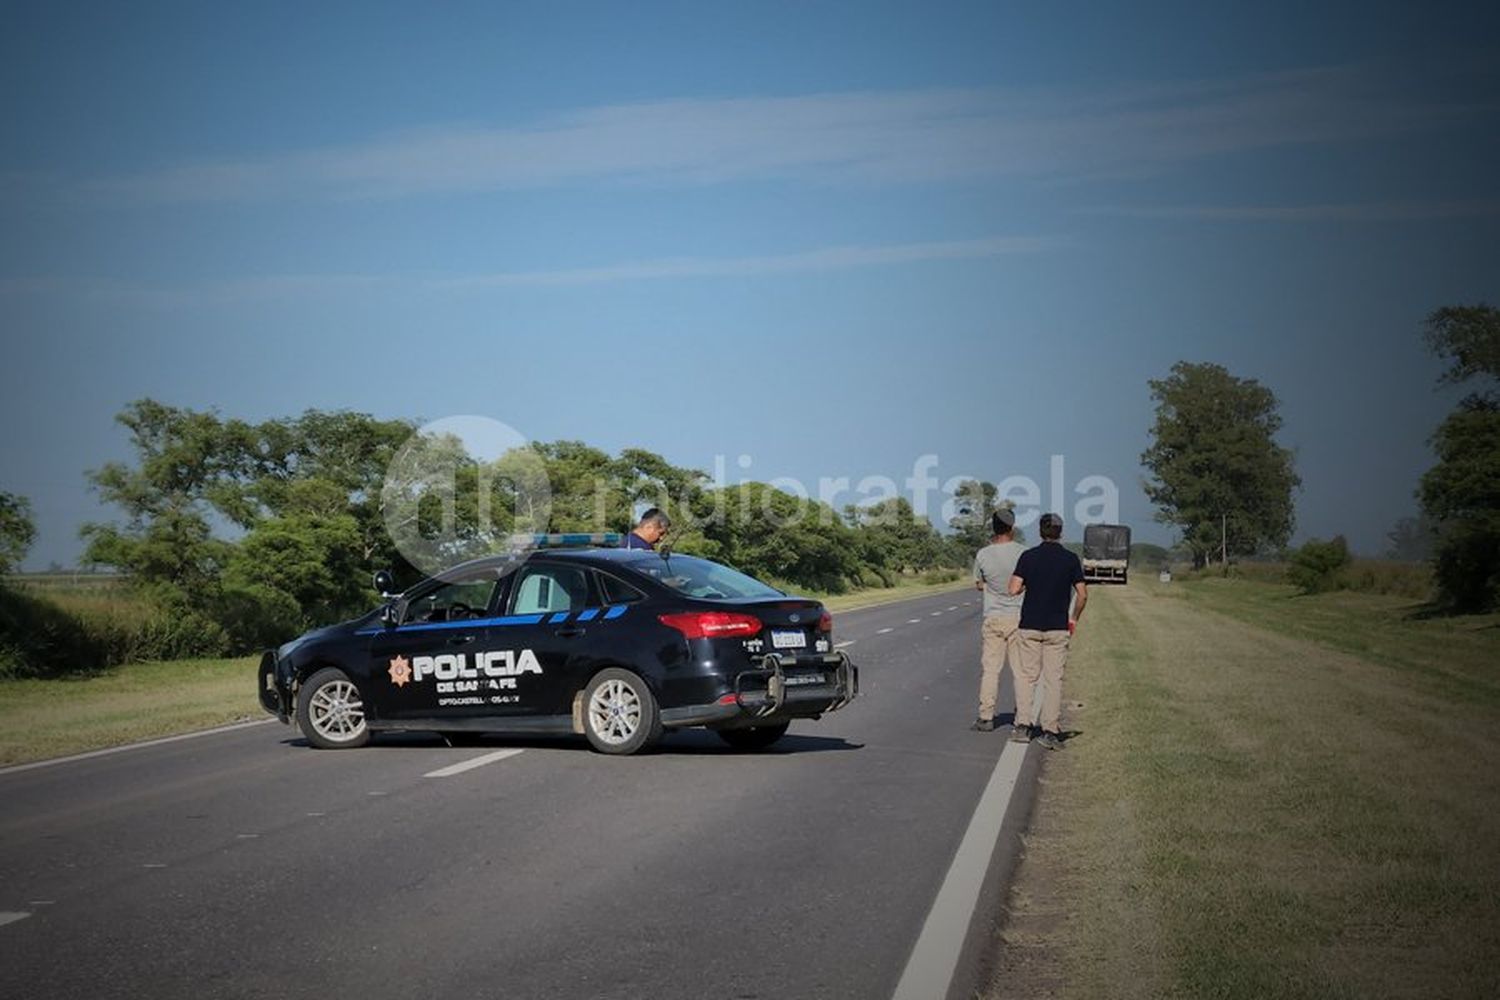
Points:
[(385, 584)]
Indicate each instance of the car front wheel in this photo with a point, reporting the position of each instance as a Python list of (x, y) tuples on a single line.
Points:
[(619, 713), (330, 711)]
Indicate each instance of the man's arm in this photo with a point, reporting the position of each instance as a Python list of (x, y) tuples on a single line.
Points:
[(978, 575), (1080, 598), (1017, 584)]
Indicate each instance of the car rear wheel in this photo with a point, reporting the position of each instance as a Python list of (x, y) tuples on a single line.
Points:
[(619, 713), (754, 738), (330, 711)]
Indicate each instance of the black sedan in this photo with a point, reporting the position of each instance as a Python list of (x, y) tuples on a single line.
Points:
[(615, 644)]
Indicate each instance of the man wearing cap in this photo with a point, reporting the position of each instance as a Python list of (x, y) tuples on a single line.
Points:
[(1051, 578), (652, 526), (994, 565)]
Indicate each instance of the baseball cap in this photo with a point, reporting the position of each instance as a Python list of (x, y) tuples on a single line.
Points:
[(1003, 520)]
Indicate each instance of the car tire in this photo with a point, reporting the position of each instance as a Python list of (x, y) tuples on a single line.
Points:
[(754, 738), (619, 713), (331, 711)]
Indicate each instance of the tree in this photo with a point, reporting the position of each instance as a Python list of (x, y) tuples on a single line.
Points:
[(1216, 470), (1461, 493), (1412, 539), (1315, 566), (1468, 337), (17, 531)]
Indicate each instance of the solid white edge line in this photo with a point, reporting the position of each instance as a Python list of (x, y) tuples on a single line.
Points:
[(469, 765), (107, 751), (10, 918), (929, 970)]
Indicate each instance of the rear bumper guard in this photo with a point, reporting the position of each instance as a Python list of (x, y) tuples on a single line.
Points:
[(773, 672)]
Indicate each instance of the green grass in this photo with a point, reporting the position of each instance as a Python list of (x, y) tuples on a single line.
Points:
[(903, 591), (50, 718), (1274, 797)]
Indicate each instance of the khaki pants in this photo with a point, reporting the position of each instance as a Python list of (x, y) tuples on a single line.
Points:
[(1044, 655), (1000, 641)]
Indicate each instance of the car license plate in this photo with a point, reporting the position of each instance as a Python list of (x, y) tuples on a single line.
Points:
[(794, 680), (789, 640)]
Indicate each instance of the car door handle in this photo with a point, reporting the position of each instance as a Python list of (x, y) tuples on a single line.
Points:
[(569, 633), (460, 640)]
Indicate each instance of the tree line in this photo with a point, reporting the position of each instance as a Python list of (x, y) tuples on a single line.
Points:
[(268, 528), (1218, 475)]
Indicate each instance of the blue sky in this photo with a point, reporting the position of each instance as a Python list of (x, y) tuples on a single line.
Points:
[(833, 237)]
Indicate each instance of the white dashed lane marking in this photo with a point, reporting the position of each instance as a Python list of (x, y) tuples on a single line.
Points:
[(469, 765), (913, 621), (953, 607), (883, 631), (8, 917), (935, 614), (846, 642)]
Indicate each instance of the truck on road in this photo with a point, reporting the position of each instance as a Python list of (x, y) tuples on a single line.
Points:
[(1106, 553)]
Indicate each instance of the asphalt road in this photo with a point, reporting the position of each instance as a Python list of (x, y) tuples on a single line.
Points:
[(244, 864)]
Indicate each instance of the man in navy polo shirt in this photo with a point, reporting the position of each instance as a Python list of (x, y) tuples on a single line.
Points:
[(1051, 577)]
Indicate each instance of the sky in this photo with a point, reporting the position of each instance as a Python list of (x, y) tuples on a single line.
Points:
[(799, 240)]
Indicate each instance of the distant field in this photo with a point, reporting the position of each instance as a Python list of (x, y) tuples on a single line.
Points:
[(1269, 796)]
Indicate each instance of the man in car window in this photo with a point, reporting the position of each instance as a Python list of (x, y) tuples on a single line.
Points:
[(652, 526)]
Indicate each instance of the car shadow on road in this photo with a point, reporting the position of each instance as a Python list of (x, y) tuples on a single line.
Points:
[(687, 742)]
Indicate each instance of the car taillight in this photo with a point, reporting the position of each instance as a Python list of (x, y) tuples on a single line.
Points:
[(825, 624), (713, 624)]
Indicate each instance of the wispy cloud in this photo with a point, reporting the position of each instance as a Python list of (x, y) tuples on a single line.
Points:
[(1390, 211), (286, 287), (826, 259), (868, 137)]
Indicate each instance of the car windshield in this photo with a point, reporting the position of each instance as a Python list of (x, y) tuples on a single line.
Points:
[(701, 578)]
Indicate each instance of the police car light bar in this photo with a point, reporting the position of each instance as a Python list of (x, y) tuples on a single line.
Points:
[(573, 539)]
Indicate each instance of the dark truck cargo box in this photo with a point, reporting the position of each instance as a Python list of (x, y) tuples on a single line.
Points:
[(1106, 553)]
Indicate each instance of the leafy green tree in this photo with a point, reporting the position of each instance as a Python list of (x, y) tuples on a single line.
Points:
[(1315, 566), (1216, 470), (166, 544), (767, 532), (17, 531), (891, 539), (1412, 539), (973, 503), (1461, 493), (1147, 554)]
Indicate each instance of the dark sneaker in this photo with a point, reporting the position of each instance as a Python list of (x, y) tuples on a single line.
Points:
[(1020, 734), (1051, 741), (983, 725)]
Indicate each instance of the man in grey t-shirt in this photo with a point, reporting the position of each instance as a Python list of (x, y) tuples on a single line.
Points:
[(1000, 635)]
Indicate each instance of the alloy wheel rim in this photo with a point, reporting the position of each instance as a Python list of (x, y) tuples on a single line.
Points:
[(336, 712), (615, 712)]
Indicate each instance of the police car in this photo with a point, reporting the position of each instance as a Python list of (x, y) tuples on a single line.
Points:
[(568, 634)]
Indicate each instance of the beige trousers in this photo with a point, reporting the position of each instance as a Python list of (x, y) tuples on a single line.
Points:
[(1044, 655), (1000, 641)]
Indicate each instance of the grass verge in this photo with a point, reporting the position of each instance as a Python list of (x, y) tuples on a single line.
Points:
[(1268, 796), (51, 718)]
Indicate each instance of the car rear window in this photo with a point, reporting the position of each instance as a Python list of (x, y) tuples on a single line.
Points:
[(701, 578)]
